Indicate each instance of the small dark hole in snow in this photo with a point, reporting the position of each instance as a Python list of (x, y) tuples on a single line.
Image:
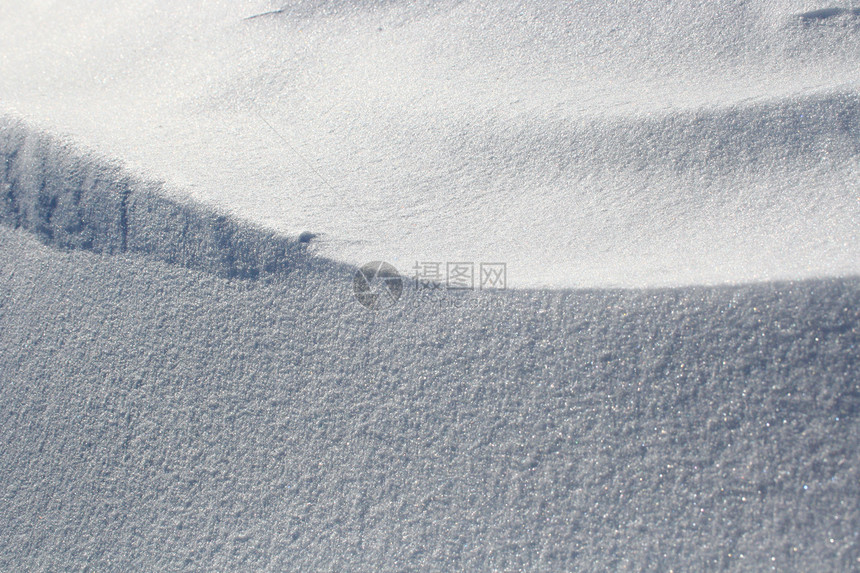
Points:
[(306, 237)]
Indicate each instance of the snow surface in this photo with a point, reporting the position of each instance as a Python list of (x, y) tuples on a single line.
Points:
[(156, 418), (188, 383), (584, 143)]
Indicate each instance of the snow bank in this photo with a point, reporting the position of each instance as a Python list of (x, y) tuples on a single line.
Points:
[(158, 414), (74, 201)]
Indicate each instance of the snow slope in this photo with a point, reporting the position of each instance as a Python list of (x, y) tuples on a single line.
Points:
[(156, 418), (179, 390), (186, 385), (584, 143)]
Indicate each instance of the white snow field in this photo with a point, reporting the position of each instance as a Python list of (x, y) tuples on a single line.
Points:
[(671, 383), (586, 144)]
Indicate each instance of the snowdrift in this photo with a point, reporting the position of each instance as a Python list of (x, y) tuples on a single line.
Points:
[(587, 144), (187, 381), (73, 201), (159, 414)]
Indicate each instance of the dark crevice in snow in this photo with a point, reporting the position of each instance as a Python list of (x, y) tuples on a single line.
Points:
[(123, 217), (828, 13), (70, 200), (265, 14), (305, 9), (9, 211)]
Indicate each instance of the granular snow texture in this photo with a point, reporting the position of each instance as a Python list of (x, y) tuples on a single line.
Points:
[(166, 408), (158, 418), (187, 381)]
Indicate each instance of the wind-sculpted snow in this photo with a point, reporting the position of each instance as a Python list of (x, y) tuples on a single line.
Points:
[(74, 201), (187, 383), (587, 144), (164, 416)]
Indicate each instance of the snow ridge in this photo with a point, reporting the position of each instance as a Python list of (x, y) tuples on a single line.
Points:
[(71, 200)]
